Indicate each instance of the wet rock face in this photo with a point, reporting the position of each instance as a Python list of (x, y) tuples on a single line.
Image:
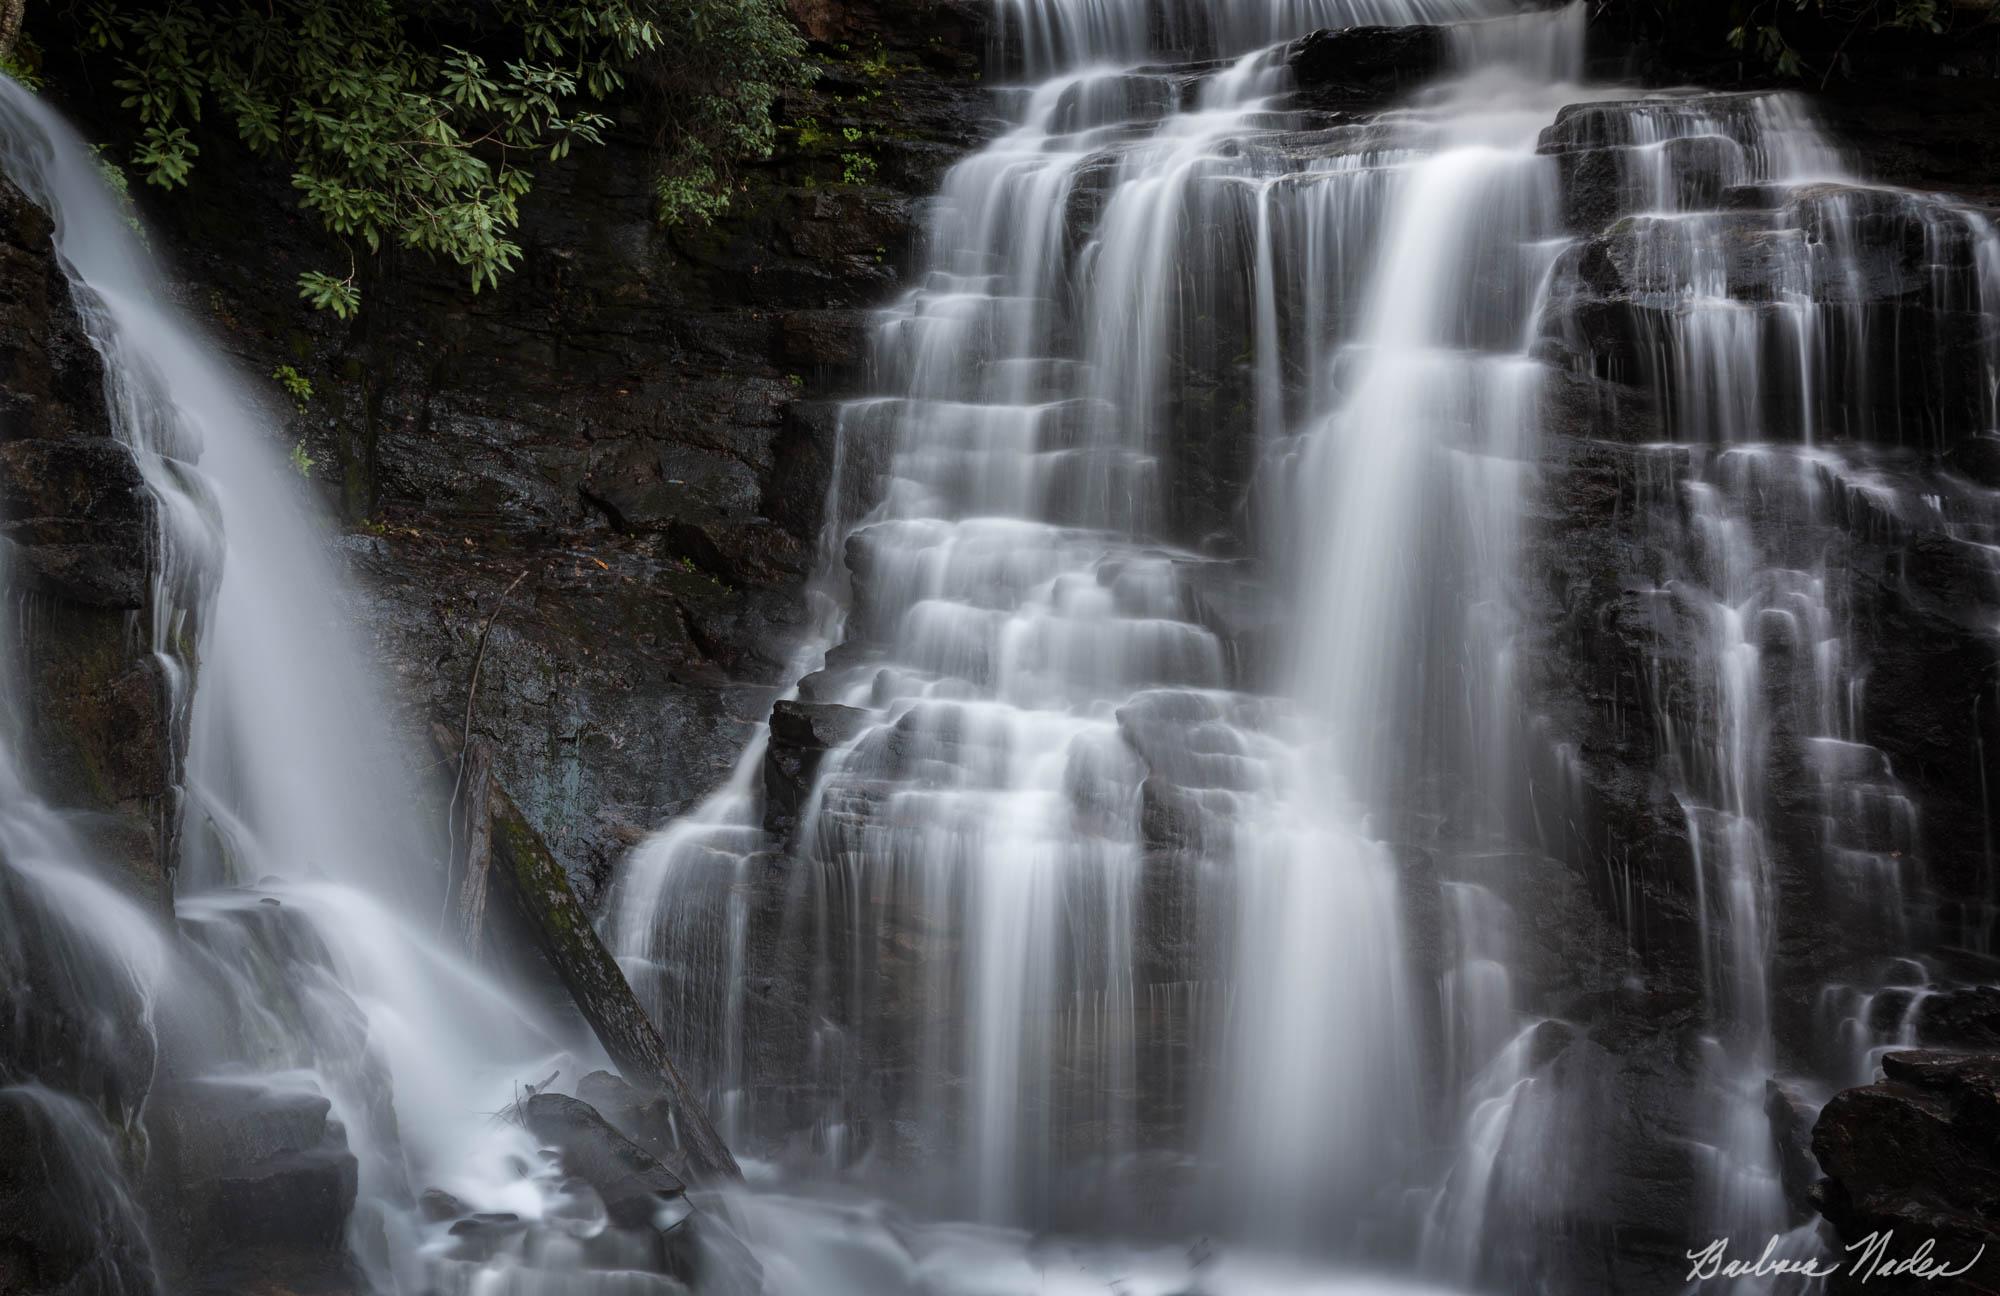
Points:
[(802, 733), (943, 28), (1364, 63), (78, 521), (1853, 318), (51, 380), (1615, 639), (72, 1023), (67, 1228), (1894, 341), (79, 512), (1886, 373), (1916, 1155), (249, 1182)]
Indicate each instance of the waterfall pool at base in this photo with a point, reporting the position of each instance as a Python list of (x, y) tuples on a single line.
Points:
[(838, 1245)]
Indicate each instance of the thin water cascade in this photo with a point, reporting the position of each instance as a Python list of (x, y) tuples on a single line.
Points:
[(1778, 344), (308, 979), (1042, 38)]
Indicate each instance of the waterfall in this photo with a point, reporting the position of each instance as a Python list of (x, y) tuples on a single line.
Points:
[(1154, 844), (309, 968), (1045, 37)]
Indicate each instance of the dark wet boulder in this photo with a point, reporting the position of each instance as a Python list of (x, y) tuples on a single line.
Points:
[(248, 1178), (437, 1205), (1917, 1155), (1964, 1017), (637, 1190), (802, 733), (1791, 1115), (645, 1118), (641, 1196), (477, 1239), (1364, 63), (80, 513)]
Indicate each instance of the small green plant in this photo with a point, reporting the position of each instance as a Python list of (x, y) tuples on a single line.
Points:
[(686, 567), (692, 199), (877, 67), (296, 385), (856, 168), (23, 62), (809, 134), (324, 292), (120, 185), (302, 463), (113, 175)]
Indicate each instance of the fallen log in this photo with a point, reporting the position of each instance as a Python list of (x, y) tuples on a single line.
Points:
[(530, 878)]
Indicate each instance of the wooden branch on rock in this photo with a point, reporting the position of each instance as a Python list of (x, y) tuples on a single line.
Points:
[(535, 883), (474, 883)]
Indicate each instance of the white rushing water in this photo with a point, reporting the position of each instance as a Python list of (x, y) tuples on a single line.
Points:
[(1021, 649), (1109, 901), (308, 880)]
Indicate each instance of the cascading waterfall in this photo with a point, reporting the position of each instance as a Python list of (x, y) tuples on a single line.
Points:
[(1744, 531), (1119, 905), (1050, 36), (310, 965)]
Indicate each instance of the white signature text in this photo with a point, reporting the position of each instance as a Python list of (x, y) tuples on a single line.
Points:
[(1871, 1258)]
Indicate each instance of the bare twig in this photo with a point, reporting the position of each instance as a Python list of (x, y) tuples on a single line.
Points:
[(479, 655), (458, 780)]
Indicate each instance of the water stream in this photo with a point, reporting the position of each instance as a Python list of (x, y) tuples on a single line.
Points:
[(308, 961)]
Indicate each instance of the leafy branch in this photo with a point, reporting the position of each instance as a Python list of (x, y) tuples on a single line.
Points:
[(397, 135), (1760, 31)]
